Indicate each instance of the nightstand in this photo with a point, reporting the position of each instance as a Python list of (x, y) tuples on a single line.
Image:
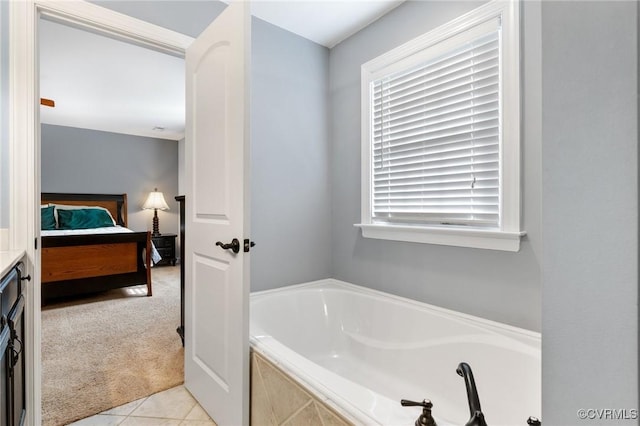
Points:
[(166, 246)]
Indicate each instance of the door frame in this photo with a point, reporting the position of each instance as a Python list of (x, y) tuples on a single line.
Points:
[(24, 140)]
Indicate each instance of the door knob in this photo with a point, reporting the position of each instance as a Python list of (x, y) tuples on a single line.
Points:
[(234, 245)]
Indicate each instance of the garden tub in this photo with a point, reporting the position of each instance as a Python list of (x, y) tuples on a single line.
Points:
[(361, 351)]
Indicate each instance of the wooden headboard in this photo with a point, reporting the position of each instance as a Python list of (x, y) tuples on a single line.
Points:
[(115, 203)]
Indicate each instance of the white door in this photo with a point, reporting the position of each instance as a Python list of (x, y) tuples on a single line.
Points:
[(217, 194)]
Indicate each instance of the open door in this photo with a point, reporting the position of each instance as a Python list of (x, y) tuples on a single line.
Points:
[(217, 219)]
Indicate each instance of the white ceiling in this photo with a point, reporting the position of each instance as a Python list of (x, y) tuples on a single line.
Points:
[(104, 84), (326, 22)]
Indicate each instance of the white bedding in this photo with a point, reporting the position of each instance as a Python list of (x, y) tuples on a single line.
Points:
[(106, 230), (155, 256)]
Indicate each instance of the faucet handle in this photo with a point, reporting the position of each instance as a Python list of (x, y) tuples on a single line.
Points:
[(425, 403), (425, 418)]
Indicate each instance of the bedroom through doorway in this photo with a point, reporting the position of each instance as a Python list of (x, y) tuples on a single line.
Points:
[(117, 128)]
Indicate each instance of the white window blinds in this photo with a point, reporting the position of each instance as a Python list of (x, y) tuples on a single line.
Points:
[(436, 138)]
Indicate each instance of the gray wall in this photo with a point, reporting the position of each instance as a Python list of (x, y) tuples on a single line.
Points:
[(4, 114), (590, 209), (89, 161), (290, 197), (188, 17), (497, 285), (290, 203), (590, 258)]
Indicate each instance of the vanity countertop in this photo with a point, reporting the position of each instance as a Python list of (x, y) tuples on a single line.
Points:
[(8, 259)]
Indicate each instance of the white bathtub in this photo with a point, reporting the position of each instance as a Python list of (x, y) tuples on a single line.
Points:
[(362, 351)]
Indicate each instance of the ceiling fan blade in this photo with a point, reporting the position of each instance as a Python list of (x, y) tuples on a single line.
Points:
[(47, 102)]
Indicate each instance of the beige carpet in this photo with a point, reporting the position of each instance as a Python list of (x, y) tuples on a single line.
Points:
[(109, 349)]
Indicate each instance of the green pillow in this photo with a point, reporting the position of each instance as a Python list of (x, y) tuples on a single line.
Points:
[(83, 219), (47, 220)]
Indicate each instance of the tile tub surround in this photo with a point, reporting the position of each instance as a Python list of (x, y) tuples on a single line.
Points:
[(276, 399)]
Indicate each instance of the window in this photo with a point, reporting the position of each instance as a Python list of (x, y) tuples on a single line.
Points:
[(441, 135)]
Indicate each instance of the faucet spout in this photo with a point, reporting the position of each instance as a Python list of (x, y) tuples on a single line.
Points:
[(476, 416)]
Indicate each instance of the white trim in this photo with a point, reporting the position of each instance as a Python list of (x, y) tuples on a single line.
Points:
[(510, 183), (4, 239), (24, 140), (462, 23), (105, 21), (459, 237), (507, 236), (24, 178)]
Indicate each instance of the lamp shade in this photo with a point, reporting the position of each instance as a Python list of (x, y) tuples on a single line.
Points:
[(155, 200)]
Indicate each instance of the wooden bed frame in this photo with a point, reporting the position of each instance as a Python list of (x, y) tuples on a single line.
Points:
[(79, 264)]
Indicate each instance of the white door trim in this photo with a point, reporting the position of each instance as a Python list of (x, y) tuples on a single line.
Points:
[(105, 21), (24, 139)]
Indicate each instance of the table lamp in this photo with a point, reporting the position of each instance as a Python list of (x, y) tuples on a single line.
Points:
[(155, 201)]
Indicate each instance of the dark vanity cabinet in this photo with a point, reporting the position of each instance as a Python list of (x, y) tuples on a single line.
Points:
[(12, 372), (4, 377)]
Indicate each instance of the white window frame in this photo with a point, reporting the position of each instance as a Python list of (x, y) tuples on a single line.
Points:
[(507, 235)]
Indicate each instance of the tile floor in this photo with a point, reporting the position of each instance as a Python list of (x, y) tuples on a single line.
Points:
[(173, 407)]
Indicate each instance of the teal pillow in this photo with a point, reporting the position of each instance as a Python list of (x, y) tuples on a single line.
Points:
[(83, 219), (47, 220)]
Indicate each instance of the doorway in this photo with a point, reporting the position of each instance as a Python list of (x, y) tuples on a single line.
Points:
[(103, 350), (232, 32), (24, 136)]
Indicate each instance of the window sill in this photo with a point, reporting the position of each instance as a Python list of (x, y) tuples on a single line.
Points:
[(459, 237)]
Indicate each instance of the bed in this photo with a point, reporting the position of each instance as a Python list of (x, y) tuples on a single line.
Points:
[(92, 260)]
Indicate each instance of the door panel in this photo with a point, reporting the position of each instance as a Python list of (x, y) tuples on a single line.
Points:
[(216, 157), (211, 290), (211, 132)]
